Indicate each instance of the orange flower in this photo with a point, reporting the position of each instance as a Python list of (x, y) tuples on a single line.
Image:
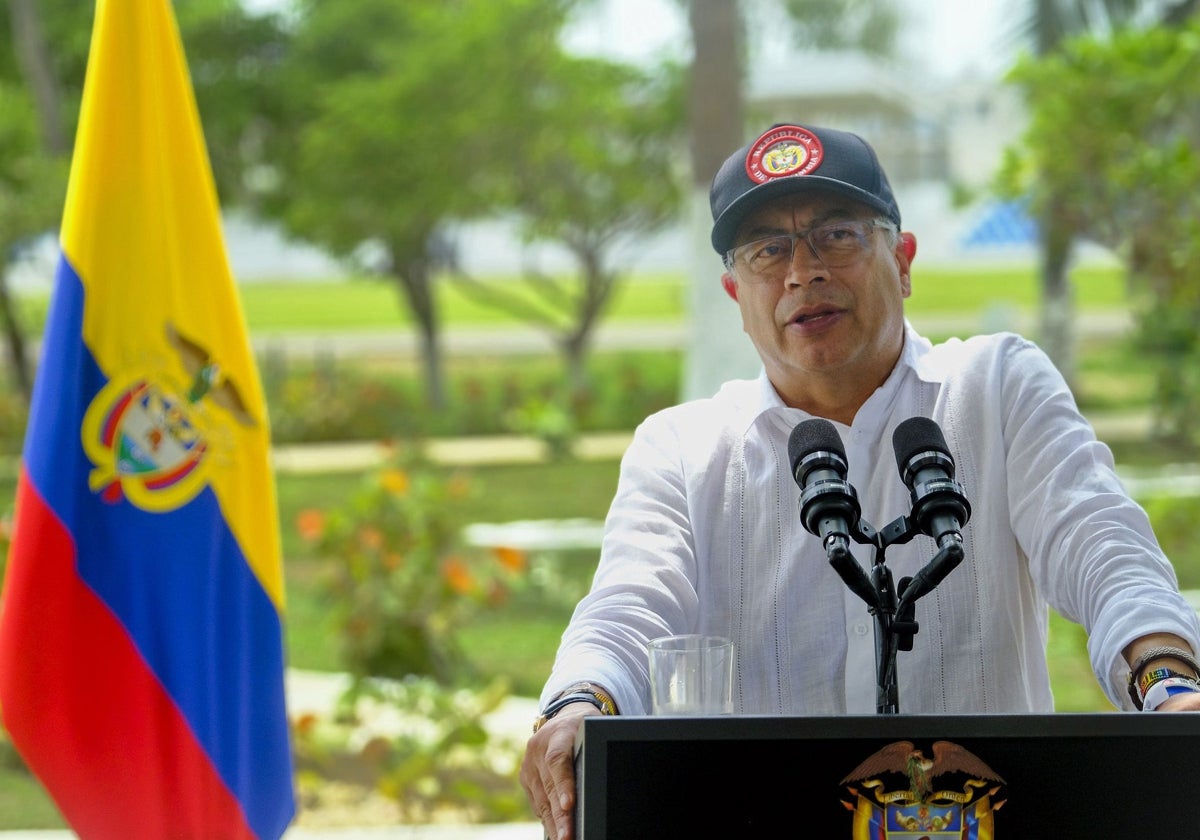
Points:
[(370, 537), (305, 723), (512, 559), (395, 481), (309, 524), (457, 576)]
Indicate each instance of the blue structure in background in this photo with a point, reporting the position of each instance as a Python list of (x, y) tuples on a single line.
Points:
[(1002, 225)]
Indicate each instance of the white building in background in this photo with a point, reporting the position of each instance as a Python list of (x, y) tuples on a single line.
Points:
[(936, 139), (257, 251)]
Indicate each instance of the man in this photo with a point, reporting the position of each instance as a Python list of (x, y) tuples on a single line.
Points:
[(704, 533)]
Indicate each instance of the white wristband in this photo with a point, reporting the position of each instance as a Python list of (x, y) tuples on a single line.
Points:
[(1159, 692)]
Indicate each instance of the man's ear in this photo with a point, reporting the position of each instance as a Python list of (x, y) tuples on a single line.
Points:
[(729, 284), (908, 247)]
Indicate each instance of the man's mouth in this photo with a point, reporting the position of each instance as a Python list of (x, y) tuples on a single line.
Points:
[(805, 317)]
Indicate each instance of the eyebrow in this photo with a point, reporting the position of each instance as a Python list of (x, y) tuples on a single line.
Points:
[(763, 231)]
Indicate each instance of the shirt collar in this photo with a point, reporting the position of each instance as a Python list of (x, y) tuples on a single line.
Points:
[(763, 398), (916, 355)]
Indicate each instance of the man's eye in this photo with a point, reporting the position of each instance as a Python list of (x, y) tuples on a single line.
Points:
[(835, 234), (771, 249)]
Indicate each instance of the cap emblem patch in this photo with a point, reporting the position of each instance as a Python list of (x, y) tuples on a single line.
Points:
[(784, 150)]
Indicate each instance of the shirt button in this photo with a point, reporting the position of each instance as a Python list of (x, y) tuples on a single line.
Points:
[(860, 629)]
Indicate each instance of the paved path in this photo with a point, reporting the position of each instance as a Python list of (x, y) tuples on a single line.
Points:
[(1177, 479)]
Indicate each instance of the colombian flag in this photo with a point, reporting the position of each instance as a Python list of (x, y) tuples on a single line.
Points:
[(141, 633)]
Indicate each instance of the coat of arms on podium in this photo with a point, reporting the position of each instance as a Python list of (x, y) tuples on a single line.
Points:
[(954, 794)]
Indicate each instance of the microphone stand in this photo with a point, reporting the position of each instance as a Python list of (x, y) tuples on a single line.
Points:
[(894, 608)]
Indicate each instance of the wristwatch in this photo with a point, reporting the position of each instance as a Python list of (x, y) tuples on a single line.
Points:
[(578, 693)]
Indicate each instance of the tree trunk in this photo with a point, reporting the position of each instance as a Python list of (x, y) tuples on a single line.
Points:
[(38, 72), (1056, 332), (575, 353), (30, 48), (16, 342), (717, 348), (715, 99), (416, 284)]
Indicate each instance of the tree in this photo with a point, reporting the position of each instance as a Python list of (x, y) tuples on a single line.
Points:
[(1046, 24), (40, 92), (600, 162), (32, 186), (32, 54), (236, 62), (404, 117), (716, 124), (1128, 174), (33, 141)]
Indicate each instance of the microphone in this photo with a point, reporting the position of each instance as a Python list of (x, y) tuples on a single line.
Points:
[(829, 506), (939, 507)]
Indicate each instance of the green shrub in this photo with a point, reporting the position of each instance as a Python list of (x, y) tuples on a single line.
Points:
[(328, 400), (422, 745), (400, 580)]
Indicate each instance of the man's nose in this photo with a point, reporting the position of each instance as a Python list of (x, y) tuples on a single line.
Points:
[(806, 264)]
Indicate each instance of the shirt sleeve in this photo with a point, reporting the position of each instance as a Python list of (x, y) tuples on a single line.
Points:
[(1090, 545), (644, 585)]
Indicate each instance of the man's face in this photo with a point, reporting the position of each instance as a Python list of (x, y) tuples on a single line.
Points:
[(815, 323)]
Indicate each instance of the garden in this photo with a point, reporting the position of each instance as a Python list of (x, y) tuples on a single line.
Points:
[(437, 631)]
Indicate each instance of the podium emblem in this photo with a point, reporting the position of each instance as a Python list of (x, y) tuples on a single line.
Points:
[(899, 792)]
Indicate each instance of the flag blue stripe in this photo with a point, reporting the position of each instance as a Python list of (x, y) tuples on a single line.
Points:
[(177, 581)]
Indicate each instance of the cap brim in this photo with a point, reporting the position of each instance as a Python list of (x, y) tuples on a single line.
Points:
[(726, 226)]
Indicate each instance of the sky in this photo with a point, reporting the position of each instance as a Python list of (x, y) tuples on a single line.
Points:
[(951, 37)]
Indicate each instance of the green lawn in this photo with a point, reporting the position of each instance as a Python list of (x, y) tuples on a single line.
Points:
[(375, 304), (366, 304)]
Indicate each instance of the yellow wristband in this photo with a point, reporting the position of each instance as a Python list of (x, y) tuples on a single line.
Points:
[(607, 705)]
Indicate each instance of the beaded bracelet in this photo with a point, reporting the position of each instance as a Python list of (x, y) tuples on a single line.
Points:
[(1136, 689), (1165, 689), (1154, 675)]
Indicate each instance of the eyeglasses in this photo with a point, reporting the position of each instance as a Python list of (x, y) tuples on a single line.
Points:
[(835, 244)]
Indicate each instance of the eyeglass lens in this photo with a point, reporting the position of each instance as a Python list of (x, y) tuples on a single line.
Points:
[(836, 244)]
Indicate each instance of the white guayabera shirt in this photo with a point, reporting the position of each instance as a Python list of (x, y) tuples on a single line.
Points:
[(704, 536)]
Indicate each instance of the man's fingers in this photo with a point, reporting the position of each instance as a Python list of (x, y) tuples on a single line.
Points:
[(548, 771)]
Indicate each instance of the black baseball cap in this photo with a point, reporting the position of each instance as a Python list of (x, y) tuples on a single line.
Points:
[(789, 158)]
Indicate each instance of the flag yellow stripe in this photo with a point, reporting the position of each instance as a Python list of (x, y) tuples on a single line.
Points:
[(142, 276)]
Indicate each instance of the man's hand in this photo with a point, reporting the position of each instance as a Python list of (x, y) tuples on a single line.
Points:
[(1189, 702), (548, 770)]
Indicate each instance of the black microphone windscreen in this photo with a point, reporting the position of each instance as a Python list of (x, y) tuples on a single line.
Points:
[(917, 434), (815, 435)]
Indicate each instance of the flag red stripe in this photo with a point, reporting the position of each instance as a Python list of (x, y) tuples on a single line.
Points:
[(107, 736)]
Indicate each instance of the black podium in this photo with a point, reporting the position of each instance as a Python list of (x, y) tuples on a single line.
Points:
[(884, 777)]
